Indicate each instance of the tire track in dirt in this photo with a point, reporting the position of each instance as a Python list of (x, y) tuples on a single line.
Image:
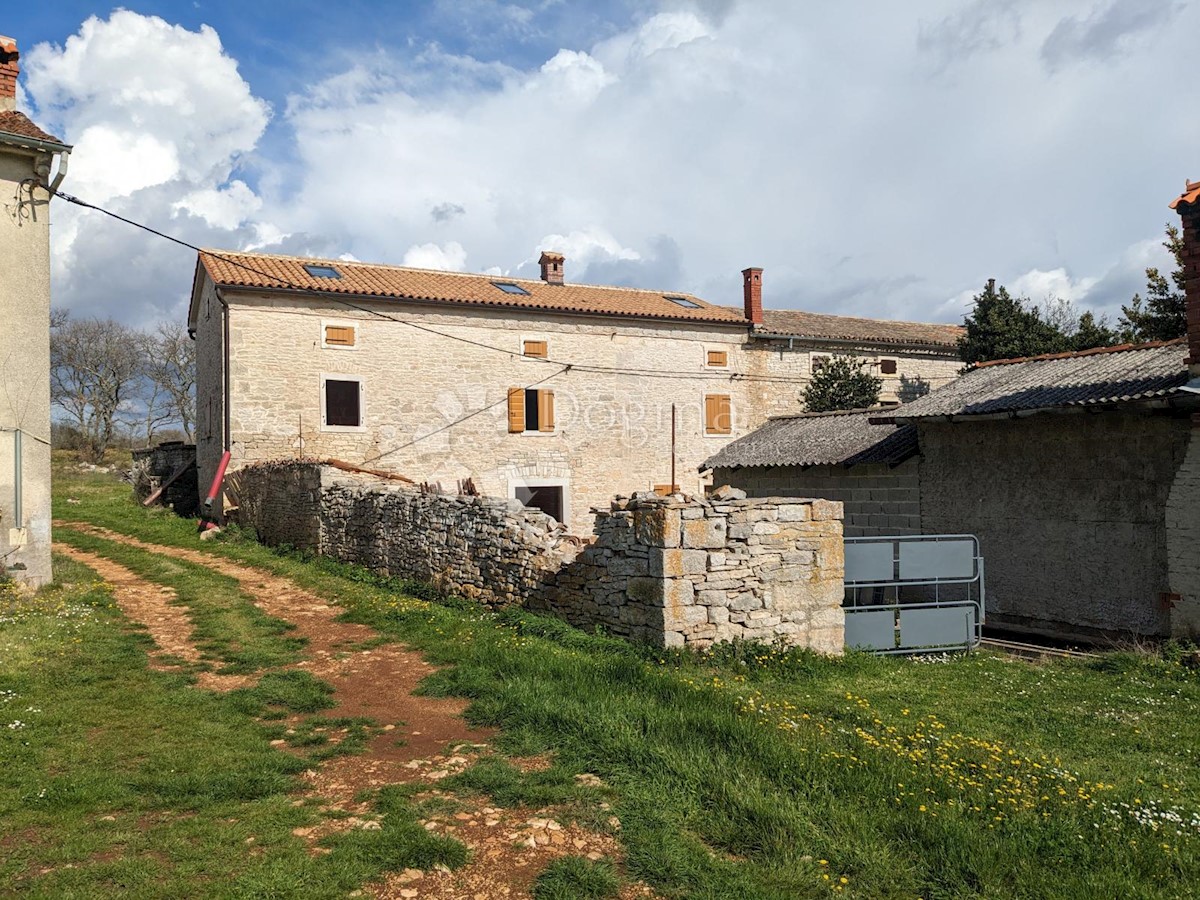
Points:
[(424, 740)]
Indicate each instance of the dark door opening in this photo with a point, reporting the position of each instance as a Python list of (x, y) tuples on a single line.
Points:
[(549, 499)]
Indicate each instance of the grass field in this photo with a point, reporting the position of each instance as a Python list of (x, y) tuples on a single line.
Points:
[(750, 772)]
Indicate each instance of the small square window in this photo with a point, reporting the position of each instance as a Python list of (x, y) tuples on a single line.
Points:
[(718, 359), (536, 349), (339, 335), (819, 362), (322, 271), (509, 288), (887, 366), (343, 403), (683, 301)]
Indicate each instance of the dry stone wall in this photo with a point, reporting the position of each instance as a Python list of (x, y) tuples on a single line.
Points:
[(671, 571)]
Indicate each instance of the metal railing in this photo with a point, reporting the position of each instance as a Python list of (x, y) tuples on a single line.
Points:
[(914, 593)]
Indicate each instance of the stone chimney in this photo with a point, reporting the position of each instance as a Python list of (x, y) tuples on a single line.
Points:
[(752, 294), (8, 73), (552, 267), (1188, 207)]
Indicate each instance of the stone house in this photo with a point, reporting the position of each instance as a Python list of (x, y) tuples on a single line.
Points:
[(870, 468), (27, 161), (557, 394)]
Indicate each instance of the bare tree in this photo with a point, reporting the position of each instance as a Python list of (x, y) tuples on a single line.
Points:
[(171, 369), (95, 372)]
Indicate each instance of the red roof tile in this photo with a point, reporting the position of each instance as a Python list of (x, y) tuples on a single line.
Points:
[(260, 271), (13, 122), (1191, 193)]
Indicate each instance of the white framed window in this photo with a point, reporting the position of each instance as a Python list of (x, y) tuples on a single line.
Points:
[(530, 411), (718, 415), (339, 335), (343, 406), (535, 346), (716, 357)]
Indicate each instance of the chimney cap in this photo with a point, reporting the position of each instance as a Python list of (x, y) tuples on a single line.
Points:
[(551, 256), (8, 47), (1191, 194)]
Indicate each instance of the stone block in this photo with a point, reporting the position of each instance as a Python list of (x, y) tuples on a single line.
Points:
[(675, 563), (826, 510), (705, 534), (794, 512), (657, 526)]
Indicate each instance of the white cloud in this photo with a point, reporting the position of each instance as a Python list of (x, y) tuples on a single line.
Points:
[(450, 257)]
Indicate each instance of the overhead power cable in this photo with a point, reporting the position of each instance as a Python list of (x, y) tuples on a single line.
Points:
[(334, 298)]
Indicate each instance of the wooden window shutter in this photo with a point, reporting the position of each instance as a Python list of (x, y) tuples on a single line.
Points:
[(545, 410), (718, 358), (339, 335), (536, 348), (717, 418), (516, 410)]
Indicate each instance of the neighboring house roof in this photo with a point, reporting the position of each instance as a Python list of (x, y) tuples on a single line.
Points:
[(263, 272), (1089, 378), (1191, 193), (823, 326), (813, 439), (14, 122)]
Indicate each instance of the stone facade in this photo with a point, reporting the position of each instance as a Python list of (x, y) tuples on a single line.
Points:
[(790, 364), (1183, 541), (878, 499), (1075, 515), (24, 358), (672, 571)]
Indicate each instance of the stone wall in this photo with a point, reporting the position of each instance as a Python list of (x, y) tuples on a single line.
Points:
[(153, 466), (672, 571), (878, 499), (1070, 511)]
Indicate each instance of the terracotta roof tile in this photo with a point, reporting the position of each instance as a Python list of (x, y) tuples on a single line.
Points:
[(14, 122), (250, 270), (798, 323), (1191, 193)]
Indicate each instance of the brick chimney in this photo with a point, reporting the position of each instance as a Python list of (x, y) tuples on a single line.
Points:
[(752, 294), (552, 267), (1188, 207), (8, 73)]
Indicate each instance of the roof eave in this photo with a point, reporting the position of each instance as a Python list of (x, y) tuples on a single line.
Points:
[(1173, 399), (854, 342), (37, 145), (338, 296)]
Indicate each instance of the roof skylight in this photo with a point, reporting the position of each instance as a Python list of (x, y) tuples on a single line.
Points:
[(509, 288), (322, 271), (683, 301)]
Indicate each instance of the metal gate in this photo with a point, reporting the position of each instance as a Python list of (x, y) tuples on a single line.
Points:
[(914, 594)]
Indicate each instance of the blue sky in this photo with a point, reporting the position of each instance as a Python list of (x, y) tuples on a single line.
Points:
[(875, 158)]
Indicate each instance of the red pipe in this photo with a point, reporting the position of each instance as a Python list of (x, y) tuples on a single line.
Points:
[(216, 482)]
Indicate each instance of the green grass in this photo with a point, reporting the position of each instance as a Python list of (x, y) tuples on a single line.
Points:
[(577, 878), (756, 772)]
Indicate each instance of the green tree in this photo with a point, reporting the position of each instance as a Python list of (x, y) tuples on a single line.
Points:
[(841, 384), (1001, 326), (1162, 315)]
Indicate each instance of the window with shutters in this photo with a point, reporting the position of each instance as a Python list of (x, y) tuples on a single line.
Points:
[(716, 359), (538, 348), (341, 403), (887, 366), (530, 411), (339, 335), (718, 414), (819, 361)]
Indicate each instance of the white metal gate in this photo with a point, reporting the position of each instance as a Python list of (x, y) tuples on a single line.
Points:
[(914, 593)]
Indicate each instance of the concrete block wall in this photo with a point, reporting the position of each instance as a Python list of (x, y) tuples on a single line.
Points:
[(671, 571), (1183, 541), (877, 499), (1071, 514)]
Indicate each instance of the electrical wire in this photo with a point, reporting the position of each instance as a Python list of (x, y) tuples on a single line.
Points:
[(334, 298)]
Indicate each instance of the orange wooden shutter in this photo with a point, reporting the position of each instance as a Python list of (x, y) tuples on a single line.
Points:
[(536, 348), (545, 410), (516, 410), (717, 419), (718, 358), (339, 335)]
